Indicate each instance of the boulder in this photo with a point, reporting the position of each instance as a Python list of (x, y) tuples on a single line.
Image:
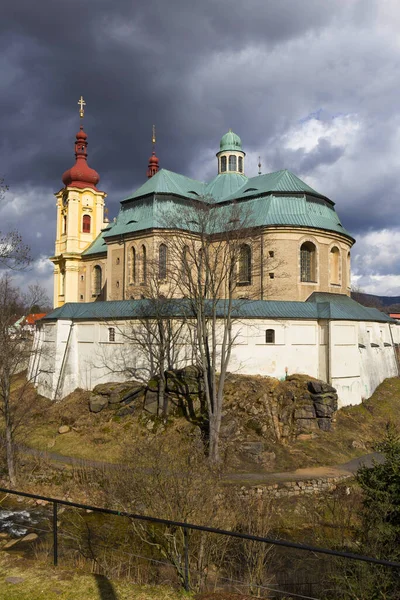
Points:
[(150, 404), (97, 403), (126, 410), (320, 387), (107, 389), (304, 412), (325, 424), (325, 409), (64, 429), (133, 394)]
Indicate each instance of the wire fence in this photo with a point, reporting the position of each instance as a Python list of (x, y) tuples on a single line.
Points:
[(297, 570)]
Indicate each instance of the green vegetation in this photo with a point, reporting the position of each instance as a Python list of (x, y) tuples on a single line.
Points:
[(21, 579)]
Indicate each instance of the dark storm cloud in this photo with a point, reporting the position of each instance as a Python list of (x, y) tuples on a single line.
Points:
[(194, 69)]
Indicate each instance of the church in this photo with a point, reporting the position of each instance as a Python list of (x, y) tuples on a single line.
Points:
[(292, 275)]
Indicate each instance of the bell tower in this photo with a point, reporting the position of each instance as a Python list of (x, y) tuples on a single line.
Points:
[(80, 219)]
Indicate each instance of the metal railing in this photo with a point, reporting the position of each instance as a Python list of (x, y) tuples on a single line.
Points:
[(186, 527)]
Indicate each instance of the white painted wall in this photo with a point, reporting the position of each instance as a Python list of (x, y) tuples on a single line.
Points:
[(355, 356)]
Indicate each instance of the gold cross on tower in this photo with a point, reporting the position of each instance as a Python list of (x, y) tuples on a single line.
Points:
[(81, 103)]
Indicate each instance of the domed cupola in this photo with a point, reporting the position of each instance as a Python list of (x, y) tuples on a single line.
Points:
[(81, 175), (230, 155)]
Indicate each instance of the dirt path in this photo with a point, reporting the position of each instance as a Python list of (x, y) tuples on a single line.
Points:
[(307, 473)]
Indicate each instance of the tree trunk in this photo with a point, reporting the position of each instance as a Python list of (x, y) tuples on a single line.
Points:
[(9, 440), (215, 426)]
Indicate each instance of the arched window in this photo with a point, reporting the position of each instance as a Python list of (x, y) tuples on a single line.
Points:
[(185, 264), (244, 272), (232, 162), (64, 226), (270, 336), (133, 265), (162, 262), (348, 270), (62, 283), (144, 265), (96, 281), (223, 164), (240, 164), (86, 223), (307, 262), (111, 334), (334, 265)]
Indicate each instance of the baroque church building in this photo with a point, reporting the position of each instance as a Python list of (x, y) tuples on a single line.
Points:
[(298, 245), (293, 311)]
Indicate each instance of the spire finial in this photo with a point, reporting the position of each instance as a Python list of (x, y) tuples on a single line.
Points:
[(259, 165), (81, 103), (153, 160)]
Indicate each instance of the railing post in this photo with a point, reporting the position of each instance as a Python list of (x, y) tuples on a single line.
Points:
[(186, 538), (55, 537)]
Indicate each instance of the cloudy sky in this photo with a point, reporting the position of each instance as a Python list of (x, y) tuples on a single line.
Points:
[(309, 85)]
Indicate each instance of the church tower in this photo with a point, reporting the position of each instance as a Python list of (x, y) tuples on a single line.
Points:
[(80, 218)]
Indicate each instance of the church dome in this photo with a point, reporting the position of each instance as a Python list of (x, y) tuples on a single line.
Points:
[(81, 175), (230, 141)]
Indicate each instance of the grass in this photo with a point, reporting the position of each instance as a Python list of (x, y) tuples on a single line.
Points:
[(35, 581)]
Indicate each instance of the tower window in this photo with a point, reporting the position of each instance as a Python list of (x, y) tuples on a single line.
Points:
[(133, 265), (232, 162), (240, 164), (64, 226), (144, 265), (111, 334), (271, 254), (272, 275), (86, 223), (307, 262), (162, 262), (244, 274), (96, 281), (223, 164), (117, 261), (270, 336)]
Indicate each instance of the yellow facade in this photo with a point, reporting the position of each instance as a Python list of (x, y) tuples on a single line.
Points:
[(80, 219)]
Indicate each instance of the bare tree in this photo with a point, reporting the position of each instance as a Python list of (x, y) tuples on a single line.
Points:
[(16, 349), (213, 266)]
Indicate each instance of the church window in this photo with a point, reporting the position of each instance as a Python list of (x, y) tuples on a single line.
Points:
[(117, 284), (244, 273), (348, 270), (162, 262), (82, 278), (185, 264), (81, 296), (111, 334), (64, 229), (272, 275), (144, 265), (271, 254), (307, 262), (62, 283), (240, 164), (270, 336), (86, 223), (223, 164), (117, 261), (96, 283), (232, 162), (133, 265), (334, 265)]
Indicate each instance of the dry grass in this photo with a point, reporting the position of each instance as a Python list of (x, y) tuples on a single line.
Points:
[(101, 436), (36, 582)]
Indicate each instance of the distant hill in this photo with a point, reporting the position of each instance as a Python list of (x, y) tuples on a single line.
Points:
[(384, 303)]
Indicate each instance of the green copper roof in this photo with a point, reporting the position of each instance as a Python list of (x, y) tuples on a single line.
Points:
[(318, 306), (296, 211), (225, 184), (279, 181), (230, 141), (168, 182), (98, 245)]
